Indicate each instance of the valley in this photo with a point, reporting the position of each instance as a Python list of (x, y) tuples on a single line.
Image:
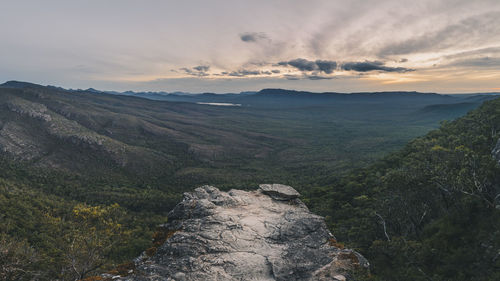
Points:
[(132, 158)]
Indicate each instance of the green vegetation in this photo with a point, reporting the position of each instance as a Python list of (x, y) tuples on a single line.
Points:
[(428, 212), (86, 178), (46, 236)]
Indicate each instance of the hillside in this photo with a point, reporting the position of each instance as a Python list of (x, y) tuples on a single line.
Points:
[(430, 211), (127, 140), (76, 165)]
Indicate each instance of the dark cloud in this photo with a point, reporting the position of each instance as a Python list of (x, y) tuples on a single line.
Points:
[(303, 64), (200, 70), (372, 66), (253, 36), (325, 66), (318, 77), (244, 72), (403, 60), (275, 71)]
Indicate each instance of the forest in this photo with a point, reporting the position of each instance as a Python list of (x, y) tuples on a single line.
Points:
[(416, 195)]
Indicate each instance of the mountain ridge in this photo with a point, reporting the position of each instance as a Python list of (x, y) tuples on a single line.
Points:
[(22, 84)]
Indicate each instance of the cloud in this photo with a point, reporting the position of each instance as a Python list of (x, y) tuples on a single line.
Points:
[(367, 66), (318, 77), (253, 36), (301, 64), (203, 68), (276, 71), (244, 72), (291, 77), (483, 62), (484, 52), (200, 70), (326, 66), (465, 32)]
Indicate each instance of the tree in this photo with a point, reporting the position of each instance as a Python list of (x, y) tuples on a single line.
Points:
[(17, 260), (94, 232)]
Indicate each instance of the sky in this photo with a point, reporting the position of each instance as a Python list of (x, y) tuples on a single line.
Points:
[(445, 46)]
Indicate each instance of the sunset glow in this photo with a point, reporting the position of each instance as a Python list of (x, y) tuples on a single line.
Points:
[(195, 45)]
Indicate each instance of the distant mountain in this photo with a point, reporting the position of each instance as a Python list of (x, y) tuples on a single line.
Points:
[(282, 98), (290, 98), (19, 85)]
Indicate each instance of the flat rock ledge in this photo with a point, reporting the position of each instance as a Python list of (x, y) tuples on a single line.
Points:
[(279, 191), (265, 234)]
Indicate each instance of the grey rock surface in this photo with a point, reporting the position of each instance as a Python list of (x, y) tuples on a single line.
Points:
[(32, 109), (279, 191), (241, 235)]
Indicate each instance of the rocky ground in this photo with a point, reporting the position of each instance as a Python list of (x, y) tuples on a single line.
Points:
[(266, 234)]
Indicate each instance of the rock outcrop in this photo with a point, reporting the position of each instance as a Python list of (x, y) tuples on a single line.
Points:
[(31, 109), (279, 191), (266, 234)]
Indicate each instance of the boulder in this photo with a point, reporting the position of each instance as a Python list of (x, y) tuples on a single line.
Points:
[(245, 235), (279, 191)]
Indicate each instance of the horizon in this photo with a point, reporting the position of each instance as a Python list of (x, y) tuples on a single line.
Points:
[(447, 46), (240, 92)]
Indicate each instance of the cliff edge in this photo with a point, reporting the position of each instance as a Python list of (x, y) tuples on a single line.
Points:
[(266, 234)]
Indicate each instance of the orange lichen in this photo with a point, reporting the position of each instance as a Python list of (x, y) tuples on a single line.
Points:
[(350, 256), (159, 237), (151, 251), (333, 242)]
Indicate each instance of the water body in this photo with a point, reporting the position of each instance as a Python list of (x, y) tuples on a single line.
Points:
[(220, 103)]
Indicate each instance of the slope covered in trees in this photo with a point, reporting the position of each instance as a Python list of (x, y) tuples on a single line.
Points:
[(430, 211)]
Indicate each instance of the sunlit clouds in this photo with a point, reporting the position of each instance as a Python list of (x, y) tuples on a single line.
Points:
[(232, 46)]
